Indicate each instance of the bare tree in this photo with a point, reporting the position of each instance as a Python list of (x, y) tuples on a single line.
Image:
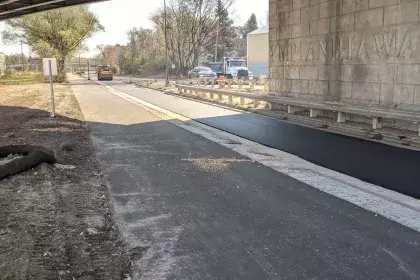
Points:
[(192, 26)]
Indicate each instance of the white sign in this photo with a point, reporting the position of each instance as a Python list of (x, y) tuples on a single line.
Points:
[(46, 67), (173, 66)]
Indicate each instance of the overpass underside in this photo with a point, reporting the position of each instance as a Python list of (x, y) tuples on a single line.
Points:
[(16, 8)]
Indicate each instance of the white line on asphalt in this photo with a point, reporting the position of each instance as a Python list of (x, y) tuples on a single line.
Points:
[(392, 205)]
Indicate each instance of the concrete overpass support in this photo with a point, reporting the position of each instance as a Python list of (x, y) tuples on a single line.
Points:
[(355, 52)]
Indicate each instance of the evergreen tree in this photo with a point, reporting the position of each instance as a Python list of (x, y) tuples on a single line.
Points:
[(226, 32), (250, 25)]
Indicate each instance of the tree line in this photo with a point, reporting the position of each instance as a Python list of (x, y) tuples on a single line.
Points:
[(197, 30)]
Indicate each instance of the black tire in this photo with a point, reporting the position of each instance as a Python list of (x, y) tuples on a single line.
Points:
[(32, 156)]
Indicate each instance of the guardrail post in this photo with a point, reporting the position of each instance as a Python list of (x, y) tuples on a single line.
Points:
[(290, 109), (251, 85), (313, 113), (271, 106), (211, 95), (377, 123), (341, 117), (220, 96), (212, 83), (230, 97), (229, 83), (240, 84), (419, 129), (242, 101)]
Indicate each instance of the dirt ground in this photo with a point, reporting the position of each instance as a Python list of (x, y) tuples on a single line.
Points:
[(56, 221)]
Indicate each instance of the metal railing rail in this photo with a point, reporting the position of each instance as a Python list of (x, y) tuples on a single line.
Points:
[(377, 114)]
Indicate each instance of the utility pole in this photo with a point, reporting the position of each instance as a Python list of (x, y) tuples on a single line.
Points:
[(217, 40), (166, 45)]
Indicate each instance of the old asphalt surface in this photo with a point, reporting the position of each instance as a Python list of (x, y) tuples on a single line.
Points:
[(203, 211)]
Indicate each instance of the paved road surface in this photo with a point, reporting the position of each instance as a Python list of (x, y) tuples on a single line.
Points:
[(383, 165), (206, 212)]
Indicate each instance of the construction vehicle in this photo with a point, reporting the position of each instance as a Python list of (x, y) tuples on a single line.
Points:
[(236, 68), (104, 73), (216, 67)]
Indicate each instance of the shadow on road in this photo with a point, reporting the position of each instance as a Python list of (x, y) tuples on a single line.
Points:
[(202, 202), (383, 165), (192, 200), (380, 164)]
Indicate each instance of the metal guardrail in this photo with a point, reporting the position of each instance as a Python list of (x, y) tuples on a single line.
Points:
[(314, 107)]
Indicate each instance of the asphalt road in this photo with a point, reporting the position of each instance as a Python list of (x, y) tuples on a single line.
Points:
[(387, 166), (206, 212)]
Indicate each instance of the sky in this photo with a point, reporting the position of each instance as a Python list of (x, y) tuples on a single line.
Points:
[(117, 19)]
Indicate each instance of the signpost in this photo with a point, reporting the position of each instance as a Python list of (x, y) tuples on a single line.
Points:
[(50, 70)]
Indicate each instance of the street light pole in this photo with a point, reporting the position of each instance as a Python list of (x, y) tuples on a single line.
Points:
[(166, 46), (217, 41)]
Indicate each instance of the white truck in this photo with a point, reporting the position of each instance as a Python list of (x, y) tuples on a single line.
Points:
[(236, 68)]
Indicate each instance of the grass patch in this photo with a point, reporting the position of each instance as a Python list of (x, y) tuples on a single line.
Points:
[(155, 85), (21, 78), (158, 85)]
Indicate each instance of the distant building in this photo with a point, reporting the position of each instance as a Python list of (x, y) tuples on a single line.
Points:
[(2, 64), (258, 51)]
